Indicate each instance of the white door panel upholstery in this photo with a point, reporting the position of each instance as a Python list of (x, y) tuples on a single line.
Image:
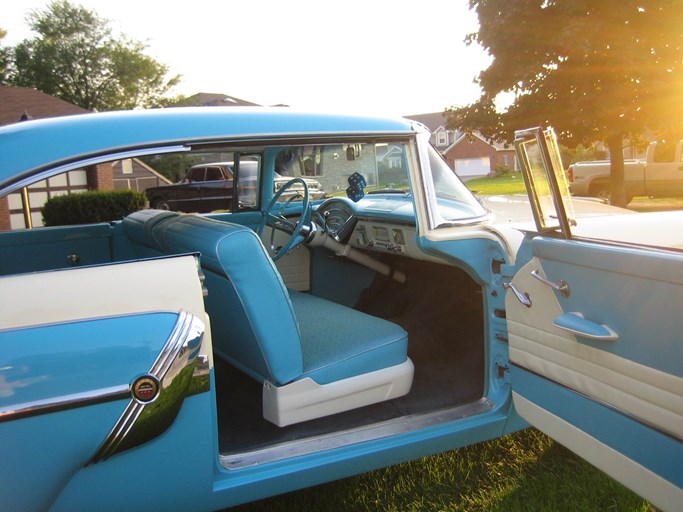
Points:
[(652, 396)]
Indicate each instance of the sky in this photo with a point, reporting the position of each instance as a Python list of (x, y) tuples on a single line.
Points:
[(374, 56)]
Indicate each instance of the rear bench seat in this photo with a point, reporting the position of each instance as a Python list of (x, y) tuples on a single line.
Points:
[(314, 357)]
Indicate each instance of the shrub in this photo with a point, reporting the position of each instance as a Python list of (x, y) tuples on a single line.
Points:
[(502, 170), (90, 207)]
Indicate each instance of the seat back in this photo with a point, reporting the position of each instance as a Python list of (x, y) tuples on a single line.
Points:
[(252, 318), (139, 228)]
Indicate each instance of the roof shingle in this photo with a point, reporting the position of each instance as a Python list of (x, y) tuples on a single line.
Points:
[(17, 101)]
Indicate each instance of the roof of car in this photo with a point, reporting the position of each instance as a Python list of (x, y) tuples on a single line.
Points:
[(29, 147)]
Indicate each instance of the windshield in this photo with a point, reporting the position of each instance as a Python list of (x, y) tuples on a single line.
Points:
[(454, 201)]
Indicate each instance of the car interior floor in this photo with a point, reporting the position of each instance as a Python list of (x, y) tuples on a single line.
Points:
[(439, 306)]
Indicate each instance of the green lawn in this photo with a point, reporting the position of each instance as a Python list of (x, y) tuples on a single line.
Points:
[(502, 185), (659, 204), (522, 472), (514, 184)]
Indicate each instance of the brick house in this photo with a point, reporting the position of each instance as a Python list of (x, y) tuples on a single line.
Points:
[(23, 104), (474, 156), (468, 156)]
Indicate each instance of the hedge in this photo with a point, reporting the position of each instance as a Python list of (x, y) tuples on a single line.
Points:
[(91, 207)]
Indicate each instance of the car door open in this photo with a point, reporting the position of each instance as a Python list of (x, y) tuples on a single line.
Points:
[(595, 344)]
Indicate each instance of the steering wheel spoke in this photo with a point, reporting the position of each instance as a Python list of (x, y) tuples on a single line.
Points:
[(280, 222), (274, 217)]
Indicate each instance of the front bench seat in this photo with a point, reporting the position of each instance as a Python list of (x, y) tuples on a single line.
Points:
[(313, 357)]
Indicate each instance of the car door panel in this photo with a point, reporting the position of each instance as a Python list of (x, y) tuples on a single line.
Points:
[(603, 390), (32, 250)]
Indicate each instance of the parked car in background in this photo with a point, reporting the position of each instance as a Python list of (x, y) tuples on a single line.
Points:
[(172, 361), (208, 187), (660, 174)]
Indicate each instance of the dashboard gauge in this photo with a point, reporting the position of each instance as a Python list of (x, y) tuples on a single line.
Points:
[(339, 218), (335, 220)]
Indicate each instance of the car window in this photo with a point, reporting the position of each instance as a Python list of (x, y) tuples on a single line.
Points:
[(197, 174), (326, 168), (248, 174), (213, 174), (450, 201)]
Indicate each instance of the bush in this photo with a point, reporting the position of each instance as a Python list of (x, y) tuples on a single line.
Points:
[(91, 207), (502, 170)]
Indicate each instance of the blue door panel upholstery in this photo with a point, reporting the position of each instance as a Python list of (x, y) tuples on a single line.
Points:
[(33, 250)]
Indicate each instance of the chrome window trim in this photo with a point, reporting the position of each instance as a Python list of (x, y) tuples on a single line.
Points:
[(434, 218), (80, 164)]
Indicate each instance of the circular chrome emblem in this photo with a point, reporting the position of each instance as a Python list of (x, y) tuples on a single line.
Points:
[(145, 389)]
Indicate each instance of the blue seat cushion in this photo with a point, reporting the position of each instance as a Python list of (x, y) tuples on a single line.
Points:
[(338, 342)]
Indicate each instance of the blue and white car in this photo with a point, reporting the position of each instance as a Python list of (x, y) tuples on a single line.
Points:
[(172, 361)]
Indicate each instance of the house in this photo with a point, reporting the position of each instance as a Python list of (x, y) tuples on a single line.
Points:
[(207, 99), (23, 104), (468, 155)]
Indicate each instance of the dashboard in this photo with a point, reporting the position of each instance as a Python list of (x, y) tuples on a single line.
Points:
[(382, 222)]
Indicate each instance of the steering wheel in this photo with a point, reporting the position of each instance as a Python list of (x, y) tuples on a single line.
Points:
[(274, 217)]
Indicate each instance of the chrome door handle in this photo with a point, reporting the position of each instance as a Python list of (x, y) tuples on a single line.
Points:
[(562, 286), (522, 297)]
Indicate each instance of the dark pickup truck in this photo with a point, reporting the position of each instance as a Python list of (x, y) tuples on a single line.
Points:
[(209, 187)]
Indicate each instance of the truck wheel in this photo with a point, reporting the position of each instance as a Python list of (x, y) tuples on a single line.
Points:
[(162, 205), (601, 192)]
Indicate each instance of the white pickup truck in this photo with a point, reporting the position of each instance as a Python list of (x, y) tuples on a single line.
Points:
[(659, 175)]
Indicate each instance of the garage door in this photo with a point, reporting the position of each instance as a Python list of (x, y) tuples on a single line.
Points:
[(473, 166)]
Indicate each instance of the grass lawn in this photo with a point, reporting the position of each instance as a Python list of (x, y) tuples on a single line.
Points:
[(502, 185), (659, 204), (514, 184), (522, 472)]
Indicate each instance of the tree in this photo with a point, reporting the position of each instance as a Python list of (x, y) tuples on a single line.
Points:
[(594, 71), (4, 59), (76, 58)]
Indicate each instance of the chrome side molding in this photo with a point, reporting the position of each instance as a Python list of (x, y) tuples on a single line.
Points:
[(158, 395)]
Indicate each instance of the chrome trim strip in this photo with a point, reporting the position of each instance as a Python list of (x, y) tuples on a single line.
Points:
[(353, 436), (173, 369), (63, 403), (80, 164)]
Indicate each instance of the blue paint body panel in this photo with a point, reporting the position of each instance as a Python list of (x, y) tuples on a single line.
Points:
[(94, 354), (42, 365)]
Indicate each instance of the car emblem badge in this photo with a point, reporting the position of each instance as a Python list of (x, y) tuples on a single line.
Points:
[(145, 389)]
